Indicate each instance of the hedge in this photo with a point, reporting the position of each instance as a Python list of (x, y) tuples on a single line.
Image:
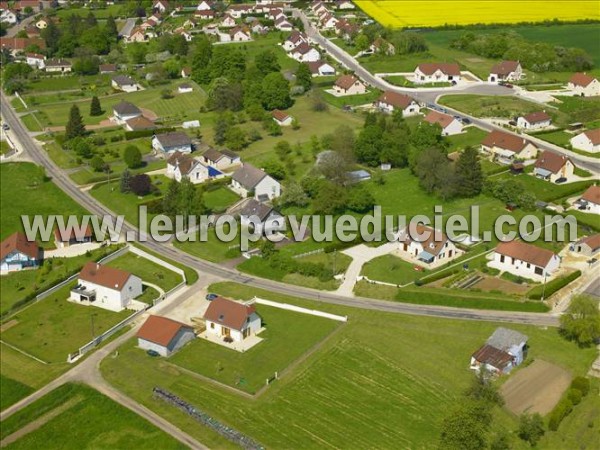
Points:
[(438, 276), (580, 387), (146, 133), (552, 286), (582, 384), (562, 409)]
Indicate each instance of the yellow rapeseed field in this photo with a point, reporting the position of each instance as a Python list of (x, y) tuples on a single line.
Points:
[(423, 13)]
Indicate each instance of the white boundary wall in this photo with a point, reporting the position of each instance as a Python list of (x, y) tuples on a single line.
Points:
[(158, 261), (312, 312)]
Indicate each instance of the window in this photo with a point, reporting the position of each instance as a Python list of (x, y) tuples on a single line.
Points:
[(501, 258), (539, 271), (528, 265), (212, 325)]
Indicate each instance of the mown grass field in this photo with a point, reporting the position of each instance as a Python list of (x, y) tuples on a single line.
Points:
[(429, 13), (147, 270), (391, 269), (87, 419), (11, 391), (383, 380)]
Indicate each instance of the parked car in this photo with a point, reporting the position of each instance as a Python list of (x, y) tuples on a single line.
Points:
[(561, 180), (466, 121), (210, 297), (152, 353), (5, 126)]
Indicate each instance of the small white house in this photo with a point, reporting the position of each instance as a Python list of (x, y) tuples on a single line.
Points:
[(124, 111), (450, 125), (239, 34), (281, 118), (320, 68), (36, 60), (391, 101), (590, 200), (204, 5), (584, 85), (248, 179), (58, 66), (344, 4), (124, 83), (185, 88), (227, 21), (283, 24), (426, 244), (305, 53), (163, 335), (18, 253), (175, 141), (230, 320), (221, 160), (8, 16), (553, 166), (349, 85), (588, 246), (182, 165), (160, 5), (106, 287), (437, 73), (294, 40), (534, 121), (525, 260), (506, 71), (588, 141)]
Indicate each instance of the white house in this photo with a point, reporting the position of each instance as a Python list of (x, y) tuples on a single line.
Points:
[(294, 40), (124, 111), (238, 11), (228, 21), (160, 5), (590, 200), (504, 350), (305, 53), (328, 21), (204, 6), (553, 166), (58, 66), (260, 217), (449, 124), (344, 4), (239, 34), (349, 85), (584, 85), (506, 71), (176, 141), (137, 35), (36, 60), (248, 179), (163, 335), (230, 320), (223, 159), (588, 246), (525, 260), (283, 24), (534, 121), (437, 73), (8, 16), (124, 83), (106, 287), (281, 118), (182, 165), (389, 101), (17, 253), (506, 147), (426, 244), (185, 88), (320, 68), (76, 235), (588, 141)]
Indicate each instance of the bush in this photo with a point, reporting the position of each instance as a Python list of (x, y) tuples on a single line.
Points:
[(575, 396), (560, 411), (132, 156), (582, 384), (552, 286)]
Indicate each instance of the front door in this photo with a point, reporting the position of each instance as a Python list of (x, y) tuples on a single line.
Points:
[(225, 331)]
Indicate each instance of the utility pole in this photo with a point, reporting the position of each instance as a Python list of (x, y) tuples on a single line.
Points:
[(334, 257), (544, 287)]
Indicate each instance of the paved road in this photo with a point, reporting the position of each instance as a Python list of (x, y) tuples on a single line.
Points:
[(12, 31), (39, 156), (432, 95)]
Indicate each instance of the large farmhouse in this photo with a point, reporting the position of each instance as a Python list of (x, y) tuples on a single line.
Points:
[(17, 253), (525, 260), (106, 287)]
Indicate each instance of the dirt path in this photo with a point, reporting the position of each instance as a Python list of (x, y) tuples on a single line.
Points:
[(39, 422)]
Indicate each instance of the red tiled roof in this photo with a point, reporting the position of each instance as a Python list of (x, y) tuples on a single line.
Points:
[(537, 117), (279, 115), (505, 141), (227, 312), (592, 241), (447, 68), (525, 252), (551, 161), (346, 81), (581, 79), (140, 123), (104, 275), (432, 244), (160, 330), (592, 195), (593, 136), (505, 68), (396, 99), (437, 117), (21, 43), (18, 242)]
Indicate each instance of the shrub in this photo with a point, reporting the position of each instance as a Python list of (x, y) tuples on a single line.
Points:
[(582, 384), (574, 395), (552, 286), (560, 411)]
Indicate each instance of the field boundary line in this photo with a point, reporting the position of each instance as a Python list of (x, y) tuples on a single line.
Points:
[(23, 352)]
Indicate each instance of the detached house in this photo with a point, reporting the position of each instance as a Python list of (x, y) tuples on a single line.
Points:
[(107, 68), (349, 85), (8, 16), (427, 245), (294, 40), (436, 73), (205, 5), (139, 123), (584, 85), (58, 66), (106, 287), (182, 165), (534, 121), (124, 111), (391, 101), (176, 141), (506, 71), (525, 260), (344, 4), (590, 200), (74, 236), (17, 253), (588, 246), (205, 14), (36, 60), (239, 34), (449, 124), (160, 5), (305, 53), (553, 166), (124, 83), (259, 217), (228, 21), (320, 68), (328, 21), (506, 147), (163, 335), (223, 159), (382, 46), (283, 24), (231, 320), (248, 179), (588, 141), (504, 350), (281, 118)]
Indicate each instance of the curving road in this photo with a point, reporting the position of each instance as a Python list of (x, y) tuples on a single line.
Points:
[(432, 95)]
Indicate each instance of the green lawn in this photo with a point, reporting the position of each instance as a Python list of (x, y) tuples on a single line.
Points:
[(30, 122), (54, 327), (147, 270), (88, 420), (546, 191), (471, 137), (249, 370), (220, 199), (556, 137), (4, 147), (384, 380), (580, 109), (213, 249), (16, 286), (391, 269), (25, 191), (352, 100), (11, 391)]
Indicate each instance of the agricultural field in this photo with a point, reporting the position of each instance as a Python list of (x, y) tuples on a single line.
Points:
[(78, 417), (429, 13), (403, 394)]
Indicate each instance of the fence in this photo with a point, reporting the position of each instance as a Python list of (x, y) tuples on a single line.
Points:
[(22, 101), (313, 252), (229, 433), (156, 260), (312, 312), (168, 293)]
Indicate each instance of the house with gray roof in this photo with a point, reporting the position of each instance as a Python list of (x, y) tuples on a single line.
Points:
[(168, 143), (256, 216), (124, 83), (220, 159), (124, 111), (504, 350), (251, 180)]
